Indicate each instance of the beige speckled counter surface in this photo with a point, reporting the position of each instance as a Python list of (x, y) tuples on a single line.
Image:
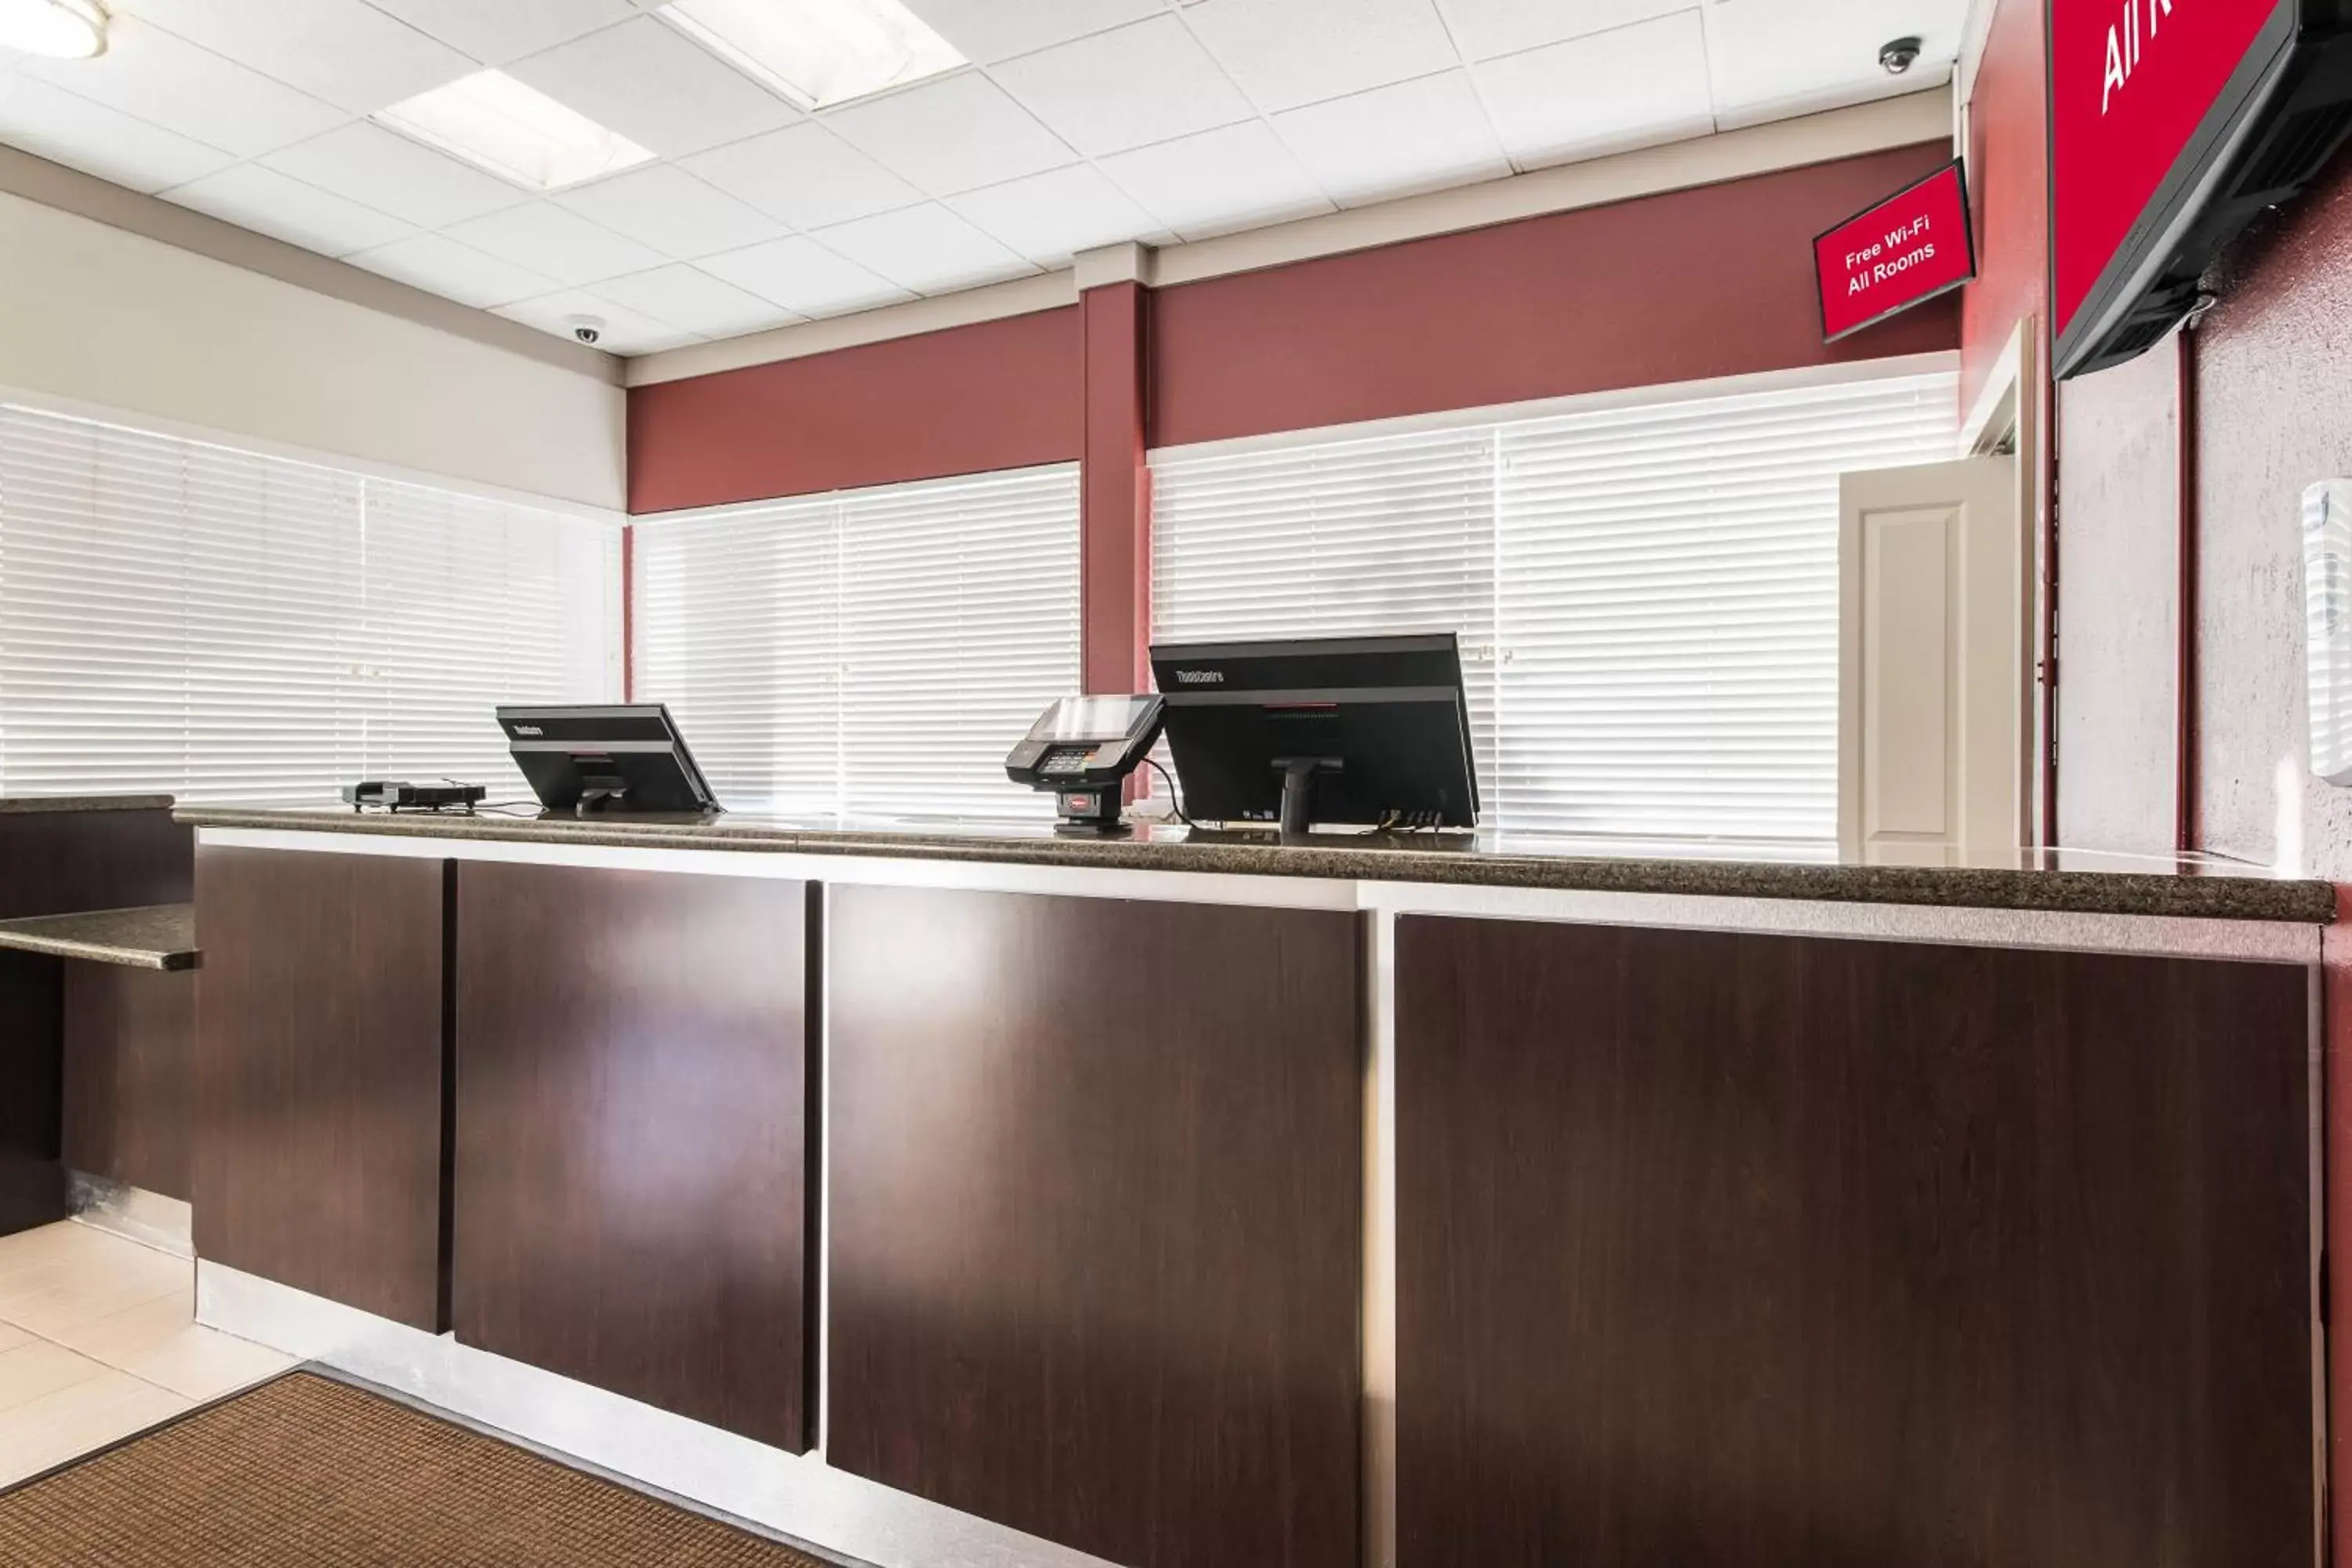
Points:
[(85, 803), (2064, 881), (158, 936)]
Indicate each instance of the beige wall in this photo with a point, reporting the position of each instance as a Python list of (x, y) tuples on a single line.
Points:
[(97, 316)]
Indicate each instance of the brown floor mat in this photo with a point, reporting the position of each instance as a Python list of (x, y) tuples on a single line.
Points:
[(310, 1473)]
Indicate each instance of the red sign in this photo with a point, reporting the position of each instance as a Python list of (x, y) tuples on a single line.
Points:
[(2130, 80), (1909, 247)]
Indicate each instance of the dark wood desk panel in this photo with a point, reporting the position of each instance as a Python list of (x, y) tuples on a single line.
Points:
[(1790, 1253), (1096, 1227), (631, 1175), (318, 1071), (32, 1174), (129, 1037), (55, 862)]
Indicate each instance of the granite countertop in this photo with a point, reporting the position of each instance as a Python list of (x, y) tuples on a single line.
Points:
[(2067, 880), (85, 803), (157, 936)]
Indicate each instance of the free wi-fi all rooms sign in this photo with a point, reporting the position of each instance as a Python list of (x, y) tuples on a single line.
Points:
[(1910, 247)]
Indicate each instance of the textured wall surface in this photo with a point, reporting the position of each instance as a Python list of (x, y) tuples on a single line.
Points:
[(2274, 413), (2118, 603)]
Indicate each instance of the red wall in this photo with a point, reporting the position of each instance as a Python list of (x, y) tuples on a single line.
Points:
[(1683, 286), (999, 395), (2009, 188), (1713, 281)]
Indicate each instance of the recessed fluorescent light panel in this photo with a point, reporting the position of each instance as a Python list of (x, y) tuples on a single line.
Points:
[(495, 123), (817, 53)]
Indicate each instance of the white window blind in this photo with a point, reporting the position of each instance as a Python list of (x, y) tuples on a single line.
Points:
[(871, 652), (1646, 595), (221, 624)]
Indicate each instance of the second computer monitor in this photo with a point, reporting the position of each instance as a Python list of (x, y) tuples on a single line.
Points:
[(606, 757), (1366, 732)]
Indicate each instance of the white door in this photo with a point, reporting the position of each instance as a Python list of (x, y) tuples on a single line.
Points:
[(1932, 706)]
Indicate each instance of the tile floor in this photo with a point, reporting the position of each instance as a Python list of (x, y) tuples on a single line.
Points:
[(98, 1339)]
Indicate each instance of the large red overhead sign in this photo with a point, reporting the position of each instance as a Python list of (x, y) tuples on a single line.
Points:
[(1911, 246), (2131, 81)]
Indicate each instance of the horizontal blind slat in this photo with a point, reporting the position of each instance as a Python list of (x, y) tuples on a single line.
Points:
[(179, 616), (1660, 581)]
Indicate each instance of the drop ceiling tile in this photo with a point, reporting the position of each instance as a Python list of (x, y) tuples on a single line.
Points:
[(497, 31), (620, 332), (805, 176), (1149, 82), (1771, 59), (926, 249), (439, 265), (673, 212), (270, 203), (692, 300), (1052, 217), (802, 276), (344, 51), (649, 82), (154, 76), (954, 134), (1220, 181), (57, 125), (991, 30), (562, 245), (1630, 86), (1395, 141), (1485, 28), (391, 173), (1286, 53)]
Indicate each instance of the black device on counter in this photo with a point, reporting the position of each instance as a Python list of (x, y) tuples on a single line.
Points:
[(614, 757), (390, 795), (1082, 749), (1366, 731)]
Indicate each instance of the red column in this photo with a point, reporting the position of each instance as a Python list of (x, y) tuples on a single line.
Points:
[(1114, 491)]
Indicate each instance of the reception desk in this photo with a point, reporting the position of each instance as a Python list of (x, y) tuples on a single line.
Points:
[(1186, 1201)]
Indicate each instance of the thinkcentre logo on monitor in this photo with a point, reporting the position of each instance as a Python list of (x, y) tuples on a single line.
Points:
[(1200, 678)]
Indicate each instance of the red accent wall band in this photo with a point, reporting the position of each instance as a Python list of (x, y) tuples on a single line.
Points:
[(1683, 286), (1115, 508), (997, 395)]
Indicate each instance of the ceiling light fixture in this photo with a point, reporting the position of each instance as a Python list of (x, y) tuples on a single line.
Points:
[(517, 133), (66, 29), (817, 53)]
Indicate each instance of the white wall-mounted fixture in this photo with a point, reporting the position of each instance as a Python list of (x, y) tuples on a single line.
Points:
[(66, 29), (817, 53), (514, 131), (2328, 625)]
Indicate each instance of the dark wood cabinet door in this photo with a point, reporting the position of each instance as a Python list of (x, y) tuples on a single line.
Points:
[(632, 1134), (1096, 1219), (1790, 1253), (319, 1070), (129, 1035)]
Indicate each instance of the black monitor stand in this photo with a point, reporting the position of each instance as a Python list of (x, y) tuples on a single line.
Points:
[(1298, 775)]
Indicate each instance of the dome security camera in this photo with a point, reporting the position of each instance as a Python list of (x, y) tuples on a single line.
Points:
[(1898, 55), (587, 328)]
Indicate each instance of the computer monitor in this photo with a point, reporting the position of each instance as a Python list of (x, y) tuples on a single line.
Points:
[(607, 757), (1367, 731)]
